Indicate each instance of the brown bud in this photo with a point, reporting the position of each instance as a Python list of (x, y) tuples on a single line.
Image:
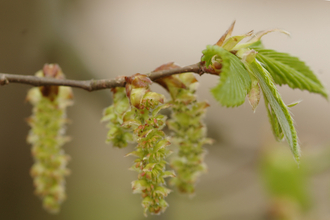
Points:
[(52, 71)]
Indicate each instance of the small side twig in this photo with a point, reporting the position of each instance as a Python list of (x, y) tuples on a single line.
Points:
[(92, 85)]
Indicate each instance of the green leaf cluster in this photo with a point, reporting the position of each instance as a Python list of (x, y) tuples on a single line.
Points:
[(247, 69)]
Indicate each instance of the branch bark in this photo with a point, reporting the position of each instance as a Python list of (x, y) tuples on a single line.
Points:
[(92, 85)]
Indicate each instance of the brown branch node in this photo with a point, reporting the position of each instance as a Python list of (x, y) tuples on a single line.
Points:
[(3, 80)]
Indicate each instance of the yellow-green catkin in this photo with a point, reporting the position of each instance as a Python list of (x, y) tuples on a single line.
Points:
[(117, 135), (189, 130), (47, 136), (147, 123)]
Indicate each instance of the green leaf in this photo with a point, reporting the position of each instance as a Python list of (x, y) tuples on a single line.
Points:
[(235, 81), (276, 127), (231, 42), (286, 69), (278, 112), (257, 45)]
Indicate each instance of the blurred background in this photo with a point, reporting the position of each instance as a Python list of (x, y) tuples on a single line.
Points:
[(250, 176)]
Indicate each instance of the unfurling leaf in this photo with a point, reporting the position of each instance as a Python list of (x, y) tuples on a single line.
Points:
[(235, 82), (231, 42)]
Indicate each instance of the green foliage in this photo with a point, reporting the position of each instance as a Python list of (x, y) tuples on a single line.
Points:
[(254, 68), (47, 138)]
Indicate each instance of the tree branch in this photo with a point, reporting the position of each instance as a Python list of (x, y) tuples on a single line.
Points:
[(92, 85)]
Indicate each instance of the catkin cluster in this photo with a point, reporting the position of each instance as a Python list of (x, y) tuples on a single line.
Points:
[(47, 138), (188, 127), (117, 135), (151, 149)]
